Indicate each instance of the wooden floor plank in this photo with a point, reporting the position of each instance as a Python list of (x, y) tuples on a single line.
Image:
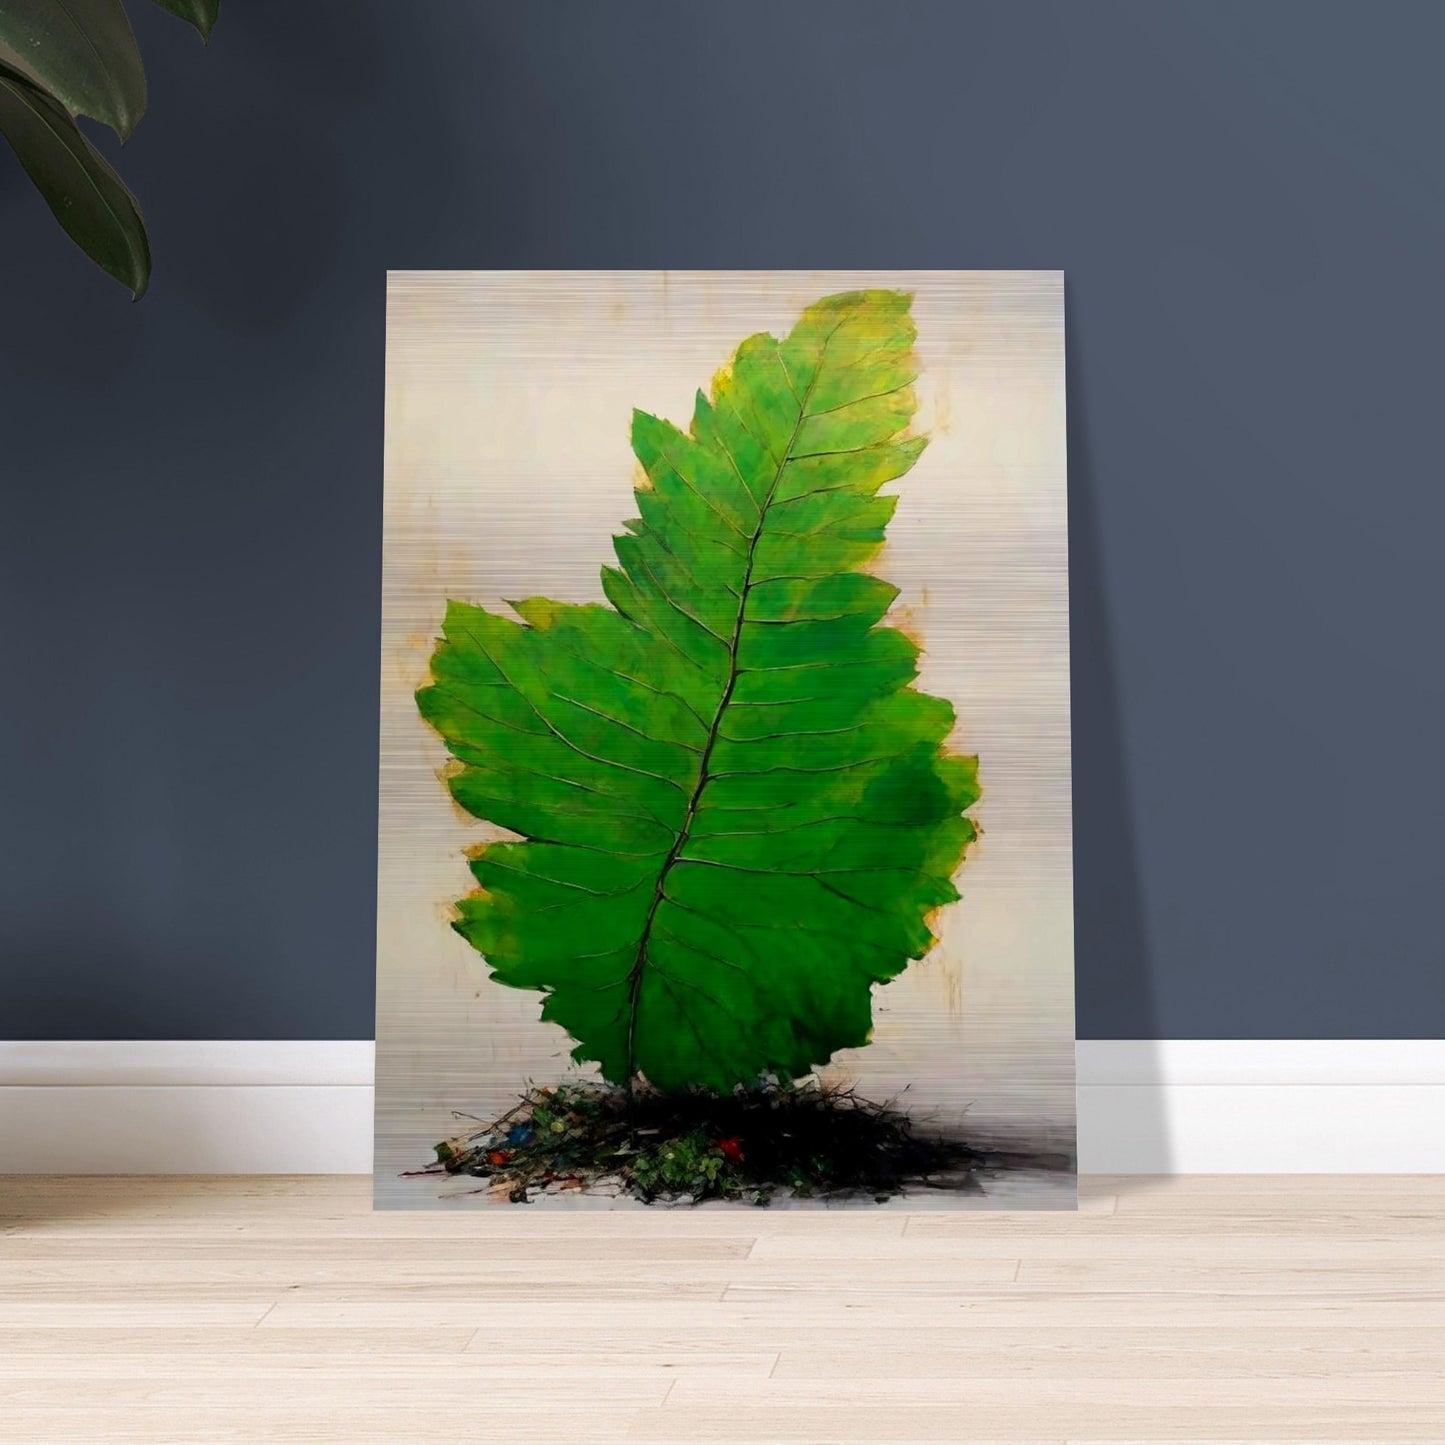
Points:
[(1209, 1310)]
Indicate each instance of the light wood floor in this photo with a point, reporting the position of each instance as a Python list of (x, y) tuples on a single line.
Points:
[(209, 1311)]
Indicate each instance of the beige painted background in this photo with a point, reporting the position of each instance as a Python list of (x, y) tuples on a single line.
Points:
[(508, 401)]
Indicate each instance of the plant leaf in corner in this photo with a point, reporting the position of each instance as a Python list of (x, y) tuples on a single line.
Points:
[(84, 193), (83, 52), (736, 815), (200, 13)]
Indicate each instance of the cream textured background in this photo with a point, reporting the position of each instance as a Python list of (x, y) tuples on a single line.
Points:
[(509, 396)]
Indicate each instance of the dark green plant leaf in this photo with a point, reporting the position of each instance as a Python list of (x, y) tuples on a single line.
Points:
[(736, 814), (200, 13), (86, 195), (83, 52)]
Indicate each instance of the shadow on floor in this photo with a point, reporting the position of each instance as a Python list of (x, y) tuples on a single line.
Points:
[(33, 1203)]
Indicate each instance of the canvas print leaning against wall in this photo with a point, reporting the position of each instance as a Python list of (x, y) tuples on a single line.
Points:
[(725, 831)]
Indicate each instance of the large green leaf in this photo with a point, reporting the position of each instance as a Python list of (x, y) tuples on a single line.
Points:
[(83, 52), (86, 195), (200, 13), (736, 816)]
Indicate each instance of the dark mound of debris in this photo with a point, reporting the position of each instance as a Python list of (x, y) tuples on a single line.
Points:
[(805, 1140)]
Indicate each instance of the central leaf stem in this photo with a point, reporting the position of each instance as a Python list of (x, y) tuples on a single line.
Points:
[(639, 967)]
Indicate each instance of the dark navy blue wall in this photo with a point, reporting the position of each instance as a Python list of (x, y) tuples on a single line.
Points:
[(1247, 201)]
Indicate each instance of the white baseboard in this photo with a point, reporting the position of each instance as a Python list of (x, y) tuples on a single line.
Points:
[(275, 1106), (1218, 1106)]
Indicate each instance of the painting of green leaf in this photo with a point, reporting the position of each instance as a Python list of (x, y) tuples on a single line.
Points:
[(738, 814), (716, 814)]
